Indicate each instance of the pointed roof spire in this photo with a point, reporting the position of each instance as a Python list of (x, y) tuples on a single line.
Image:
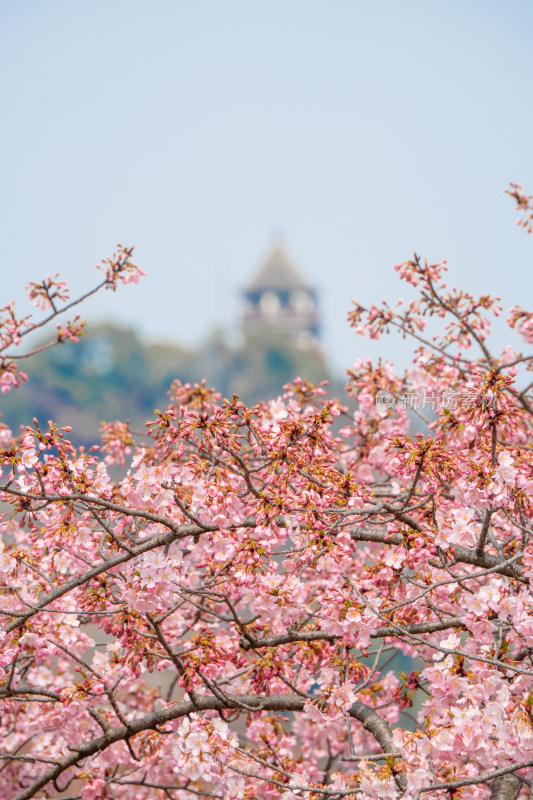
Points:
[(277, 271)]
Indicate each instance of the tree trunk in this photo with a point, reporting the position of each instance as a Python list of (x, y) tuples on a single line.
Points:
[(507, 787)]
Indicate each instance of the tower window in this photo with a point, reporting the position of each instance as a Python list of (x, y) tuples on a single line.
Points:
[(269, 304), (301, 301)]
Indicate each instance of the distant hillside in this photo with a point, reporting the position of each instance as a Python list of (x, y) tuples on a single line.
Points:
[(111, 374)]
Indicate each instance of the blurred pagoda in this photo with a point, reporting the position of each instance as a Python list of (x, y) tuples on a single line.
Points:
[(279, 304)]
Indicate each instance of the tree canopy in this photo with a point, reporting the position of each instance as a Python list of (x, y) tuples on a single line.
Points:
[(220, 621)]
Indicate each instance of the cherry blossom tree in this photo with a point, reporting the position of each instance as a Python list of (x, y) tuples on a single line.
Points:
[(220, 621)]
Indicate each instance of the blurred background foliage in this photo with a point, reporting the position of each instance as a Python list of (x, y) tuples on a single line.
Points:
[(112, 374)]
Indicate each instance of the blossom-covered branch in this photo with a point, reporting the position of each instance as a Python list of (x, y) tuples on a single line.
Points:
[(52, 295)]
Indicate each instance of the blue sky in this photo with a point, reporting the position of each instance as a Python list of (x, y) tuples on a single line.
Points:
[(195, 130)]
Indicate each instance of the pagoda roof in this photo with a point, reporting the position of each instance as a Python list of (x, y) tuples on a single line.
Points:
[(277, 271)]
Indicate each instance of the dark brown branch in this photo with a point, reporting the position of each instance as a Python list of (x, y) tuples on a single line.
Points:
[(484, 778), (313, 636), (461, 554), (369, 718)]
